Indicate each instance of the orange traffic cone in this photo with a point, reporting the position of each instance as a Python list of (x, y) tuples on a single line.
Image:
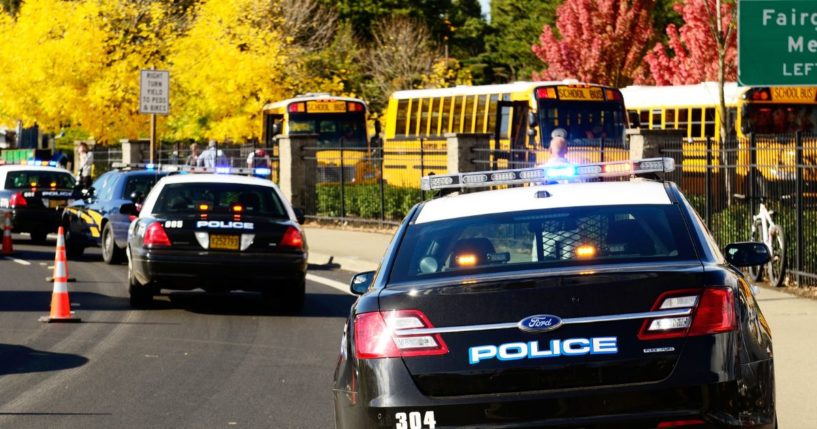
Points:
[(7, 242), (60, 305)]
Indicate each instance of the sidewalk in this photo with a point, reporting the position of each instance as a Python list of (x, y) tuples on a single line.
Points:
[(354, 251)]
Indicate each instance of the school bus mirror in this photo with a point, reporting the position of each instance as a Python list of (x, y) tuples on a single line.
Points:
[(635, 121), (276, 129)]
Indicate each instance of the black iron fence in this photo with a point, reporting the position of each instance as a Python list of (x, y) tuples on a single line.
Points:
[(727, 183)]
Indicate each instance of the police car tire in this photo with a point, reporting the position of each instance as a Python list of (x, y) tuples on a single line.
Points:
[(72, 249), (140, 296), (110, 253)]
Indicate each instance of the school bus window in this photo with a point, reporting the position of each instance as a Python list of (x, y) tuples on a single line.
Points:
[(440, 111), (644, 118), (445, 115), (683, 119), (433, 116), (669, 119), (302, 127), (402, 113), (655, 122), (709, 122), (468, 121), (481, 111), (456, 115), (695, 125), (416, 117), (504, 121), (492, 112)]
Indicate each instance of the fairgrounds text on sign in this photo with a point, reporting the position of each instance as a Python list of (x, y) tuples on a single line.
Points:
[(777, 42)]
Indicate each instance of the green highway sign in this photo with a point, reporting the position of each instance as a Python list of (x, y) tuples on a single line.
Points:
[(777, 42)]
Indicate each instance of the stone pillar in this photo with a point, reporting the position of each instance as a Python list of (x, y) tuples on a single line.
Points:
[(649, 143), (465, 149), (135, 151), (298, 170)]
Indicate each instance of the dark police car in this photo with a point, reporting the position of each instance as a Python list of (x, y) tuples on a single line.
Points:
[(35, 193), (576, 305), (217, 232), (95, 219)]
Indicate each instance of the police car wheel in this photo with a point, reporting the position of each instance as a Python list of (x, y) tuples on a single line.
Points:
[(110, 253), (140, 296), (73, 250)]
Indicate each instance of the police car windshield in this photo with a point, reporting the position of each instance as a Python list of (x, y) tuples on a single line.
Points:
[(219, 198), (39, 178), (542, 239)]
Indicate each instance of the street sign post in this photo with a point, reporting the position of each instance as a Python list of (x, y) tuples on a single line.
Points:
[(154, 99), (777, 42)]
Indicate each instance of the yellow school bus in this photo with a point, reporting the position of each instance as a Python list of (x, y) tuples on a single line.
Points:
[(763, 111), (518, 116), (338, 122)]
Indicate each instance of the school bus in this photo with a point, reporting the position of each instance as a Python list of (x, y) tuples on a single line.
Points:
[(340, 123), (518, 116), (762, 111)]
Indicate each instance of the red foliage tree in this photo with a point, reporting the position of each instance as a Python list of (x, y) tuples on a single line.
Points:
[(693, 48), (601, 41)]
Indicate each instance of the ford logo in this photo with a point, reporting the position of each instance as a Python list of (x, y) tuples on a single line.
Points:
[(540, 323)]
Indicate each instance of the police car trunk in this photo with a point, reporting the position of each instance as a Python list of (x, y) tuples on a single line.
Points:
[(549, 287)]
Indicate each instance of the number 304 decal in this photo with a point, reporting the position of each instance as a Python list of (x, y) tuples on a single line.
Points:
[(415, 420)]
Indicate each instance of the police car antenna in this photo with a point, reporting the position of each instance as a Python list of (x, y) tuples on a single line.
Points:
[(548, 173)]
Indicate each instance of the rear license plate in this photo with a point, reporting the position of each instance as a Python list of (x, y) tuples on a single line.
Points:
[(55, 204), (225, 242)]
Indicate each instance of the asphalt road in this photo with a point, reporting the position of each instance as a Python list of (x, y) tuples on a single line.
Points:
[(193, 361)]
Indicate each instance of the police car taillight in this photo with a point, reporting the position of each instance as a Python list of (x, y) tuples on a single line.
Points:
[(17, 200), (155, 236), (293, 239), (711, 311), (389, 334)]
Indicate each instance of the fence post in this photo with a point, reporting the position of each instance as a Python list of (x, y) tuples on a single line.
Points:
[(342, 184), (799, 202), (422, 166), (601, 147), (708, 184), (298, 170), (382, 187), (752, 174)]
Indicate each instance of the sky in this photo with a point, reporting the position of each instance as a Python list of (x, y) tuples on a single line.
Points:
[(486, 7)]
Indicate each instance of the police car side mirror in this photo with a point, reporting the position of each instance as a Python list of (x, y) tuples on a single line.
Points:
[(747, 254), (362, 282), (137, 197), (129, 209), (88, 193), (299, 215), (77, 192)]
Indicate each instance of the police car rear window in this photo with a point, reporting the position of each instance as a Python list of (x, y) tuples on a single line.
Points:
[(219, 198), (542, 239), (40, 179)]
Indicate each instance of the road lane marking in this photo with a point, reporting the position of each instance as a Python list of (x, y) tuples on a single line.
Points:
[(343, 287), (19, 261)]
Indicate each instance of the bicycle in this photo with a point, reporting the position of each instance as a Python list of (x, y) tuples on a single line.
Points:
[(765, 231)]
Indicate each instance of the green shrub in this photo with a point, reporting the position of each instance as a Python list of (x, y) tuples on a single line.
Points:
[(364, 200)]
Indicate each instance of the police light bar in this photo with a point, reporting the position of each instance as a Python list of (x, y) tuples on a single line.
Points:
[(547, 173), (31, 162), (186, 169)]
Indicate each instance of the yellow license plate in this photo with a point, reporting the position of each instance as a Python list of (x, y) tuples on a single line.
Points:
[(225, 242), (55, 204)]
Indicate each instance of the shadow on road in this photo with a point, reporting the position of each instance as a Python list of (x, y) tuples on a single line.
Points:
[(251, 304), (20, 300), (16, 359)]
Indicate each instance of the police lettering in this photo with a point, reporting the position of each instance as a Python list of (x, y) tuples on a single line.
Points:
[(222, 224), (532, 349)]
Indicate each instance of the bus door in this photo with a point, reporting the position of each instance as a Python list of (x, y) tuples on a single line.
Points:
[(511, 135)]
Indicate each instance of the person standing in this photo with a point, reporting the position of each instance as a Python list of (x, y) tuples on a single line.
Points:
[(207, 158), (85, 166), (193, 158), (558, 147)]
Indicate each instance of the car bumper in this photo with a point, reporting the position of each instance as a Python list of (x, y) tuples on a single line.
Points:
[(218, 270), (35, 219), (725, 404)]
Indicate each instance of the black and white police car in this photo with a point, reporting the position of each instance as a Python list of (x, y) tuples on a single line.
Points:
[(570, 305), (218, 232), (35, 193)]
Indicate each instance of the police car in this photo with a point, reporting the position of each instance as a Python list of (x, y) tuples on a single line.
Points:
[(219, 232), (95, 219), (35, 192), (569, 305)]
